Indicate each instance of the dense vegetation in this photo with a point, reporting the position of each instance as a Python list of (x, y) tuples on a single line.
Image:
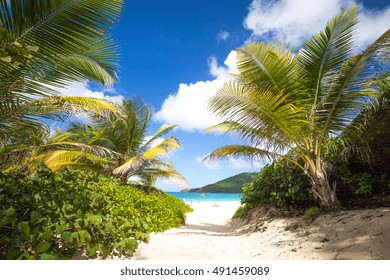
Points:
[(359, 182), (56, 212), (279, 184), (291, 105), (288, 106), (232, 184), (55, 215)]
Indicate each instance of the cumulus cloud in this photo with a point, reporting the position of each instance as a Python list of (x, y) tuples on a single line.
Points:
[(293, 21), (210, 165), (239, 163), (372, 24), (83, 89), (232, 163), (223, 35), (188, 107)]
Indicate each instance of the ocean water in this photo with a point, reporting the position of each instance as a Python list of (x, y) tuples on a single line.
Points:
[(206, 196)]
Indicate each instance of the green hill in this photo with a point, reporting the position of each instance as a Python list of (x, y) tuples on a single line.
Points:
[(229, 185)]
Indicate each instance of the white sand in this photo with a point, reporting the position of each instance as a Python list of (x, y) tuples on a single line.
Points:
[(208, 234)]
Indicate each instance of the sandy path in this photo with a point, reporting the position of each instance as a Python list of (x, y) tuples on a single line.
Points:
[(361, 234)]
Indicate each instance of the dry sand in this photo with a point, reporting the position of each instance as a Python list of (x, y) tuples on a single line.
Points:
[(210, 234)]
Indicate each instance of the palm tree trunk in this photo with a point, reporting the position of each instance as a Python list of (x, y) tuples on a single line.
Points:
[(323, 190)]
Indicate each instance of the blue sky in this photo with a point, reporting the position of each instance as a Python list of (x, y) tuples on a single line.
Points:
[(176, 54)]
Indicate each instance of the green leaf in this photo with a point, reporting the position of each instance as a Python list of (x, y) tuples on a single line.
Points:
[(84, 236), (138, 235), (9, 212), (48, 257), (46, 235), (94, 219), (6, 59), (106, 249), (26, 256), (12, 253), (131, 245), (42, 247), (25, 229), (67, 236), (92, 251)]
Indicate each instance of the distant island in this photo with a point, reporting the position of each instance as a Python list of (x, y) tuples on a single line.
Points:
[(229, 185)]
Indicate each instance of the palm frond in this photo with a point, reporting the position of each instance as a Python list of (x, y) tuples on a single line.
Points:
[(242, 151), (263, 111), (60, 26), (263, 65), (164, 148), (162, 131), (131, 167), (52, 108), (325, 53), (58, 29), (168, 175), (348, 94), (374, 117)]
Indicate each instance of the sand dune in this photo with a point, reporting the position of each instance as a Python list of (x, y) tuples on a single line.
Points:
[(210, 234)]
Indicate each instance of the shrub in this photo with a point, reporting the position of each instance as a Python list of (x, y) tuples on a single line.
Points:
[(54, 215), (279, 184)]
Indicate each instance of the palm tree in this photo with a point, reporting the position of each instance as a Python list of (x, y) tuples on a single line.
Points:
[(284, 101), (116, 145), (46, 45)]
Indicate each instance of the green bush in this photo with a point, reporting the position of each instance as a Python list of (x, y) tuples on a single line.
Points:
[(279, 184), (356, 180), (54, 215)]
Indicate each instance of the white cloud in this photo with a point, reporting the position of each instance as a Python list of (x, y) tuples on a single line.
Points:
[(82, 89), (223, 35), (290, 21), (239, 163), (293, 21), (188, 107), (372, 25), (211, 165), (231, 163)]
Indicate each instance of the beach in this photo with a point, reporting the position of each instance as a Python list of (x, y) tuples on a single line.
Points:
[(210, 234)]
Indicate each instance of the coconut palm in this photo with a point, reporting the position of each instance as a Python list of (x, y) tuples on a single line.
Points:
[(117, 145), (283, 101), (46, 45), (22, 134)]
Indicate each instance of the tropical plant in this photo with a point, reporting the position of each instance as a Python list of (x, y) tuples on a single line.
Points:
[(279, 184), (117, 145), (283, 101), (46, 45), (51, 215)]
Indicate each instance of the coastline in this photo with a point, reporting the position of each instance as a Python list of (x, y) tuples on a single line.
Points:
[(209, 234)]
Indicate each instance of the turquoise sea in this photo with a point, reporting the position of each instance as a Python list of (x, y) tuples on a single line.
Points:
[(207, 196)]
